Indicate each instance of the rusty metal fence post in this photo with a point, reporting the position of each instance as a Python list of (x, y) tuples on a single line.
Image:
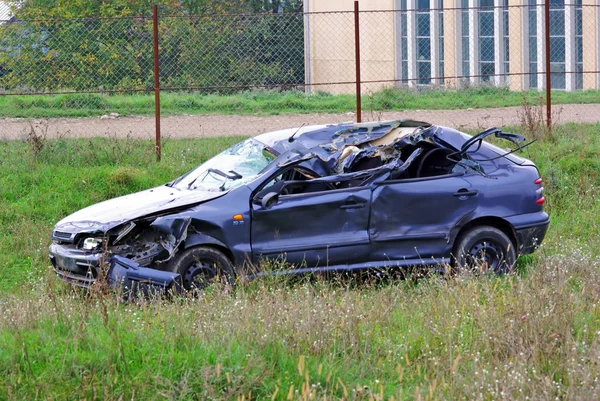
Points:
[(357, 58), (156, 81), (548, 75)]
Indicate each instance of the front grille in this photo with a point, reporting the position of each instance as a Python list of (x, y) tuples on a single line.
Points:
[(62, 235)]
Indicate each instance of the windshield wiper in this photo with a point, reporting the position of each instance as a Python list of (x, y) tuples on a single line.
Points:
[(192, 182), (233, 176)]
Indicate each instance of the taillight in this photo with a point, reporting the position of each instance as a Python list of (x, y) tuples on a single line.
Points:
[(538, 181), (540, 201)]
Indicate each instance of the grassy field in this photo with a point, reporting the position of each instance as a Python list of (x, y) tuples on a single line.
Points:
[(272, 102), (531, 335)]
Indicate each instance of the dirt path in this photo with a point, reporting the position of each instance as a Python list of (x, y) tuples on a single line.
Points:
[(228, 125)]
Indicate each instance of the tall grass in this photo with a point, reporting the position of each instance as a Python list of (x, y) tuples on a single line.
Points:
[(531, 335)]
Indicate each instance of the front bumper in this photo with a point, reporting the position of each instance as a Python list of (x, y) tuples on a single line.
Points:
[(75, 266), (134, 279), (80, 269)]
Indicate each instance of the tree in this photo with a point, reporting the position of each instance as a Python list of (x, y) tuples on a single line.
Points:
[(276, 6), (85, 45)]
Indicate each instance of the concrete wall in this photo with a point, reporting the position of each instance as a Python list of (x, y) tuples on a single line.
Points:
[(5, 13), (591, 43), (331, 45)]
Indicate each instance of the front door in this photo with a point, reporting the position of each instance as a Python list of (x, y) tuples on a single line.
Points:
[(314, 229)]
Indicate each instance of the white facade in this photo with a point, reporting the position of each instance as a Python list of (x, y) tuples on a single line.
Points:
[(5, 13), (469, 42)]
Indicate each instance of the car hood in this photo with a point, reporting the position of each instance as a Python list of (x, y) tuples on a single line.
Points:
[(108, 214)]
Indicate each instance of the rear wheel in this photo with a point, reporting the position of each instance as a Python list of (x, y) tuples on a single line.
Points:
[(201, 267), (485, 249)]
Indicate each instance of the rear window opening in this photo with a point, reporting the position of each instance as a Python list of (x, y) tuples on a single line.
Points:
[(431, 161), (404, 153), (360, 167)]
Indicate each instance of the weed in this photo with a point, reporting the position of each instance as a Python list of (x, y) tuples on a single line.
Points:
[(533, 118), (37, 137), (373, 115)]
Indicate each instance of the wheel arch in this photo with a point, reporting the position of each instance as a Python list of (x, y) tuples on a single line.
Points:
[(199, 239), (492, 221)]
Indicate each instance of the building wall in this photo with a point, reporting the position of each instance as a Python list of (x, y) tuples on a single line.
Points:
[(468, 46), (5, 13), (591, 43), (331, 50)]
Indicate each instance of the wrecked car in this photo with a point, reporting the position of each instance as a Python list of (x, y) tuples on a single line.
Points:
[(323, 198)]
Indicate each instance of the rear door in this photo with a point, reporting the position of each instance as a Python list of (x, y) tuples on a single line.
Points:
[(412, 219)]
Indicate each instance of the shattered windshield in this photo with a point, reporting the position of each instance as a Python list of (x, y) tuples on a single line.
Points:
[(231, 168)]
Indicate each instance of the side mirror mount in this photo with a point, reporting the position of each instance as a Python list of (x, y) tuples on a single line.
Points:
[(269, 200), (275, 189)]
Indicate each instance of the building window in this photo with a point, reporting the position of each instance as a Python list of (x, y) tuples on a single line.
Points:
[(404, 41), (533, 77), (465, 37), (422, 46), (423, 38), (486, 39), (557, 44)]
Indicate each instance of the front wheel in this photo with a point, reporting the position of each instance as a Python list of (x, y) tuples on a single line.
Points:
[(201, 267), (483, 249)]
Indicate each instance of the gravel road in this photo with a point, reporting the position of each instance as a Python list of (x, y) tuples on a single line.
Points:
[(191, 126)]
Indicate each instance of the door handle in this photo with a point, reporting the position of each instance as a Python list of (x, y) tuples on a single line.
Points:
[(464, 192), (352, 205)]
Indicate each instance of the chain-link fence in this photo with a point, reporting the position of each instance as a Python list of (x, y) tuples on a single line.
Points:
[(464, 63), (481, 63)]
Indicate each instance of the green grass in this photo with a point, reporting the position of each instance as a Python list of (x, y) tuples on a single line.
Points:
[(533, 334), (66, 175), (271, 102)]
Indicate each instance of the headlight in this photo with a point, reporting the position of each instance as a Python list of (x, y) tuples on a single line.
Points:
[(91, 243)]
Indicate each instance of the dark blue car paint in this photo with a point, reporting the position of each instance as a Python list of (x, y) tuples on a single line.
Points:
[(420, 225), (295, 227), (213, 223), (126, 273), (397, 222)]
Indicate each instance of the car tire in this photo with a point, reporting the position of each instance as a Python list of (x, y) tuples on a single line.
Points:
[(201, 267), (484, 249)]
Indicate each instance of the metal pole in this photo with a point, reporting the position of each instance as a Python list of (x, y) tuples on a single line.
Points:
[(548, 80), (156, 81), (357, 57)]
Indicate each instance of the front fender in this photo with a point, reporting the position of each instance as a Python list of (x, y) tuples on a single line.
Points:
[(195, 239)]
